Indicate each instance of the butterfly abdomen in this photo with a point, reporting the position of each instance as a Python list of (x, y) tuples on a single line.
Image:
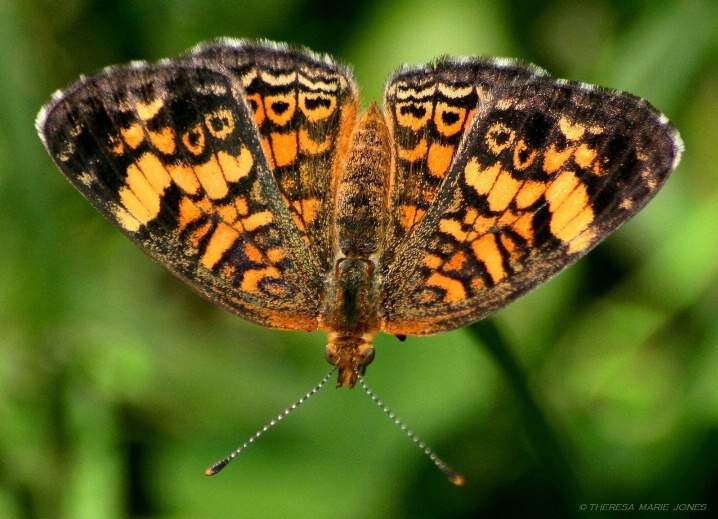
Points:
[(361, 193)]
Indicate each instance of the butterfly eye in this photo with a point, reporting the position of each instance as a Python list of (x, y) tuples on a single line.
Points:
[(331, 356), (366, 356)]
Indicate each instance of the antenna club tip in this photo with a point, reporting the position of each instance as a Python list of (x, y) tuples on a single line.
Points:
[(210, 472), (457, 479)]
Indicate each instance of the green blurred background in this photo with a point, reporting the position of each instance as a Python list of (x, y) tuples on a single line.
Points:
[(119, 386)]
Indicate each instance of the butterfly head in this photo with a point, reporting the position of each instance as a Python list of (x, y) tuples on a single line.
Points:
[(351, 354)]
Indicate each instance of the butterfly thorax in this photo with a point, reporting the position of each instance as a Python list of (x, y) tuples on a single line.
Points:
[(350, 316)]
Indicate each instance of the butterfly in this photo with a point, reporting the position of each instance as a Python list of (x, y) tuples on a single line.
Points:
[(249, 170)]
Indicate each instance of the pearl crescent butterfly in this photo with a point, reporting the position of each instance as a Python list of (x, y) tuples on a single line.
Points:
[(248, 170)]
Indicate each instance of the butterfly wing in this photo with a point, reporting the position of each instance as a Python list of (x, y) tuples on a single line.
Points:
[(428, 111), (543, 171), (170, 154), (304, 107)]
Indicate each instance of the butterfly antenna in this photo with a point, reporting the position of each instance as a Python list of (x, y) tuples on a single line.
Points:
[(453, 476), (223, 463)]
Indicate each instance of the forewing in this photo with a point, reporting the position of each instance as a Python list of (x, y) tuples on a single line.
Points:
[(305, 109), (546, 170), (170, 155)]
